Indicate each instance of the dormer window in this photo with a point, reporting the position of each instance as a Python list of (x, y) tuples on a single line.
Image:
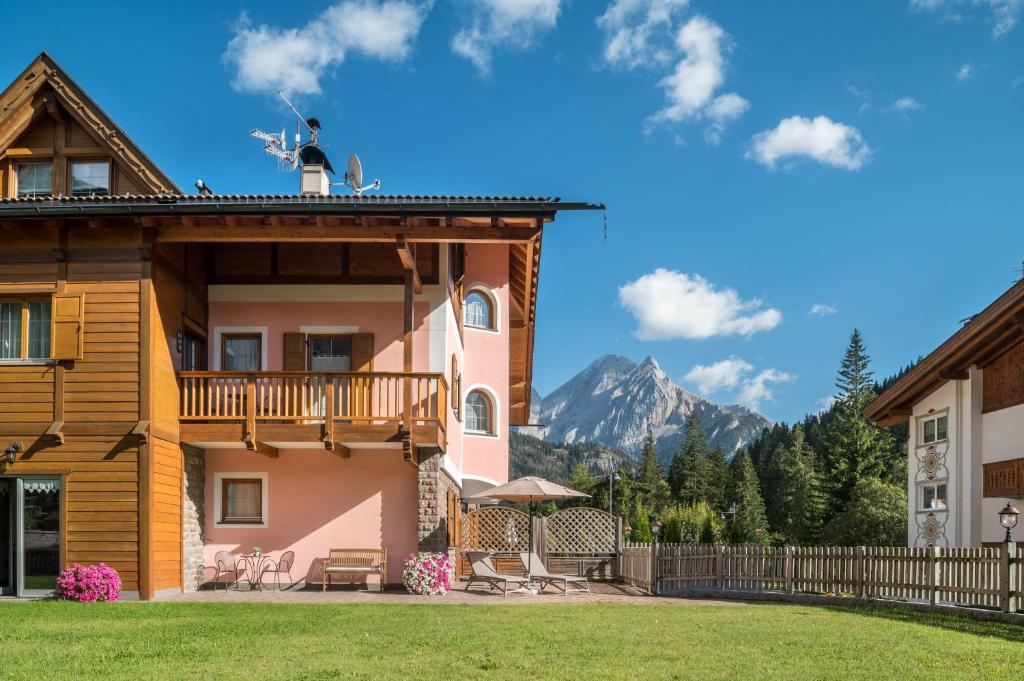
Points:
[(35, 179), (90, 178)]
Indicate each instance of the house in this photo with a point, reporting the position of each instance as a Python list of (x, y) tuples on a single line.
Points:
[(965, 407), (185, 374)]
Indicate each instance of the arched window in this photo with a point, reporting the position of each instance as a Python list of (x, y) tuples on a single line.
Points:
[(479, 413), (478, 311)]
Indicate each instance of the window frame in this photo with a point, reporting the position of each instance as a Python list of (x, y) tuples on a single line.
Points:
[(23, 357), (83, 161), (34, 162), (932, 418), (492, 309), (240, 335), (310, 337), (932, 484), (221, 482), (492, 412)]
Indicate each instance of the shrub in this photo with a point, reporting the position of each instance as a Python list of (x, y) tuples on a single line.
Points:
[(427, 574), (89, 583)]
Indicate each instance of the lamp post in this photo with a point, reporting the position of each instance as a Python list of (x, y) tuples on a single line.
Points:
[(655, 528), (1008, 519), (628, 531), (613, 477)]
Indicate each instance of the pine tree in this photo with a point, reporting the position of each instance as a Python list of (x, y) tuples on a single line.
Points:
[(716, 477), (801, 504), (641, 523), (855, 448), (650, 470), (686, 473), (749, 523), (581, 481)]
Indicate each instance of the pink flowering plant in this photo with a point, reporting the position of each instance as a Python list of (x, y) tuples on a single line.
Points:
[(89, 583), (427, 574)]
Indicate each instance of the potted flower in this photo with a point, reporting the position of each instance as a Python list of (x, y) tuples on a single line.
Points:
[(427, 574), (257, 551)]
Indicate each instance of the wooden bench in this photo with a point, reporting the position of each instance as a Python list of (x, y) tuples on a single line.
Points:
[(356, 562)]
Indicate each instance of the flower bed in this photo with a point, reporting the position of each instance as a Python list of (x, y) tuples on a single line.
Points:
[(427, 574), (89, 583)]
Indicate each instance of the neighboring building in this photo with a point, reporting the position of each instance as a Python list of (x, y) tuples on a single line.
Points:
[(965, 407), (186, 374)]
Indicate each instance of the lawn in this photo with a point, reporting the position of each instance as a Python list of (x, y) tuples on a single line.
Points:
[(53, 640)]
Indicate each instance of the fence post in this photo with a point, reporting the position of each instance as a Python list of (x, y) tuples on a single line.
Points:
[(1006, 564), (720, 568), (789, 568), (858, 574), (933, 575), (655, 587), (617, 566)]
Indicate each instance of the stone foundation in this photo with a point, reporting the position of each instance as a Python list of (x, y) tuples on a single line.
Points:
[(433, 487), (193, 513)]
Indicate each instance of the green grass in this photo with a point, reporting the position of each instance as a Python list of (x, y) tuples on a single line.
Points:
[(54, 640)]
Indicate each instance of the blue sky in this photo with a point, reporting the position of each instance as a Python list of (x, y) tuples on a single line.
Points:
[(864, 157)]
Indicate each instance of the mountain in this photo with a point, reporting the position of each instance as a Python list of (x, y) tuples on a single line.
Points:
[(615, 400), (555, 461)]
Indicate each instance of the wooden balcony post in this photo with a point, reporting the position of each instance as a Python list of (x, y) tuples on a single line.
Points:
[(329, 413), (250, 412), (407, 319)]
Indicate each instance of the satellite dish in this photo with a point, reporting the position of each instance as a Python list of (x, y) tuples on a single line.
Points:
[(355, 171)]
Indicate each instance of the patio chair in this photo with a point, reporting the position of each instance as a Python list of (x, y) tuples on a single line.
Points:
[(226, 564), (540, 573), (483, 571), (283, 566)]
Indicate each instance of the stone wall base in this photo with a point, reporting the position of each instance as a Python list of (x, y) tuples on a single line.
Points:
[(193, 513)]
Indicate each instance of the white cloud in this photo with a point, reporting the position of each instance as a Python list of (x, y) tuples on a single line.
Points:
[(669, 304), (758, 389), (1004, 12), (714, 377), (820, 139), (904, 105), (643, 33), (639, 32), (822, 310), (964, 72), (270, 58), (825, 403), (504, 23)]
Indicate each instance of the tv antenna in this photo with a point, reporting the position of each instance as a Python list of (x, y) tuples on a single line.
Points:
[(309, 152)]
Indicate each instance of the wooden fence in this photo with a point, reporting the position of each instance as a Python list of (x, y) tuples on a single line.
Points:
[(984, 577)]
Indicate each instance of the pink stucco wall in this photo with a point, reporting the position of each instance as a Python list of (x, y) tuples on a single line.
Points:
[(318, 501), (486, 361)]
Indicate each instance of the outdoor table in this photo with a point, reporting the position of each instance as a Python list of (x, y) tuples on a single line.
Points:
[(257, 563)]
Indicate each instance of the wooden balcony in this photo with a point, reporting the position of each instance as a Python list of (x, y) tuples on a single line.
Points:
[(1003, 479), (268, 410)]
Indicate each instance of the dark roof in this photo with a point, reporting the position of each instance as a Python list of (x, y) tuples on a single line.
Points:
[(165, 204)]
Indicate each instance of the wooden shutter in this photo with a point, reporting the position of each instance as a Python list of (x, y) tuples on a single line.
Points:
[(362, 352), (67, 333), (295, 352)]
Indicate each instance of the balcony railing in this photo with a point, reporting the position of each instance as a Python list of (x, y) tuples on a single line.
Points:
[(1003, 479), (357, 398)]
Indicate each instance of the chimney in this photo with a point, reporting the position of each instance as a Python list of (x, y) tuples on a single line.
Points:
[(313, 180)]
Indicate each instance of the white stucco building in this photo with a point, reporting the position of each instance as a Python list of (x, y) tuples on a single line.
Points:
[(965, 407)]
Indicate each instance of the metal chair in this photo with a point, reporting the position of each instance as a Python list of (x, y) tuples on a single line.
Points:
[(227, 565), (284, 565)]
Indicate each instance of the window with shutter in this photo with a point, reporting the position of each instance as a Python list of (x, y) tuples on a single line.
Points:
[(67, 335), (362, 352), (295, 351)]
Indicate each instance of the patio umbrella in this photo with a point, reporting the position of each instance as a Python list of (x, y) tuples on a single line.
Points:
[(526, 491)]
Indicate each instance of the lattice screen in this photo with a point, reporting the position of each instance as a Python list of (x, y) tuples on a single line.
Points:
[(581, 532), (496, 529)]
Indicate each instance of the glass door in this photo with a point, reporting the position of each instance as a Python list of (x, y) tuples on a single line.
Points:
[(37, 525), (331, 354), (7, 535)]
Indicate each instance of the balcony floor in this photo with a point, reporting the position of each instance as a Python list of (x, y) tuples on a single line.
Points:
[(307, 435)]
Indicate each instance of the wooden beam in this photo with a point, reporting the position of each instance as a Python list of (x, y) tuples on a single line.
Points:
[(263, 449), (954, 375), (342, 451), (225, 233), (407, 329), (408, 258), (56, 431), (141, 431)]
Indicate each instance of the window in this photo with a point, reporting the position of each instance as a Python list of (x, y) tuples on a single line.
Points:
[(35, 179), (242, 499), (241, 352), (479, 413), (933, 497), (90, 177), (330, 353), (477, 311), (25, 329), (193, 351), (934, 429)]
